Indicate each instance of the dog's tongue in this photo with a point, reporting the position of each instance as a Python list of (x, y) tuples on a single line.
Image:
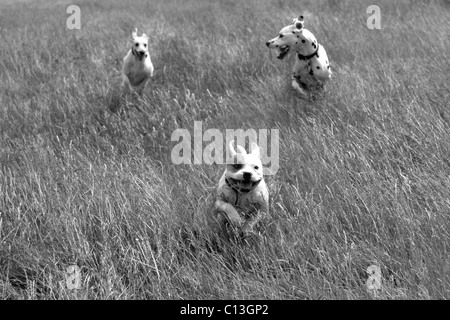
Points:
[(246, 184)]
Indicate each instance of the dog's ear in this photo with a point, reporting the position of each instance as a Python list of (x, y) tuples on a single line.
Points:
[(232, 151), (255, 149), (134, 33), (241, 150), (145, 36)]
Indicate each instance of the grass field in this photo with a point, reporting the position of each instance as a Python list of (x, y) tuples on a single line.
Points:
[(86, 176)]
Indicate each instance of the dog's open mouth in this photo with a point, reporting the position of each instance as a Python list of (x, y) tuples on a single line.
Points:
[(243, 186), (283, 51), (141, 56)]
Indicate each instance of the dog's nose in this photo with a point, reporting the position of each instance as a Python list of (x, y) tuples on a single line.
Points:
[(268, 43), (247, 175)]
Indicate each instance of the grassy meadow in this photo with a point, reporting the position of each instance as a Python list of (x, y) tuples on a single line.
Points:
[(86, 176)]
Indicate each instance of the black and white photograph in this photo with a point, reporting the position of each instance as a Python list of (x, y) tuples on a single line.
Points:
[(224, 154)]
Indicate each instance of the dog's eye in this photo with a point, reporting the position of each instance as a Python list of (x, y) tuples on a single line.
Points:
[(136, 44), (256, 167), (281, 36), (145, 44)]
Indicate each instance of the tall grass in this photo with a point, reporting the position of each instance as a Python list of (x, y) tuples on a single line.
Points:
[(86, 176)]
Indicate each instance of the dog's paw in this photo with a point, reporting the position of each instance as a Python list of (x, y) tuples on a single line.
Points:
[(301, 91), (236, 221)]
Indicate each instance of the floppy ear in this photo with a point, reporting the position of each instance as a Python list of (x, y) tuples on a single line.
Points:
[(255, 149), (241, 150), (232, 151), (134, 33)]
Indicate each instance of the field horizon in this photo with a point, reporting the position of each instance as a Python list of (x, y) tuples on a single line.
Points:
[(87, 179)]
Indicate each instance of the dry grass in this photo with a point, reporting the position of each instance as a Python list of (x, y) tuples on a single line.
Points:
[(86, 176)]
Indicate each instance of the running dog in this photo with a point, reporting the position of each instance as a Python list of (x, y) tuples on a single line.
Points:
[(312, 67), (242, 195), (137, 67)]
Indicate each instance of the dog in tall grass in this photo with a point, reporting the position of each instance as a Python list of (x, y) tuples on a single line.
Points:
[(312, 68), (242, 195), (137, 66)]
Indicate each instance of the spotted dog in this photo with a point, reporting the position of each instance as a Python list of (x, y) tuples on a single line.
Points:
[(242, 195), (137, 66), (312, 67)]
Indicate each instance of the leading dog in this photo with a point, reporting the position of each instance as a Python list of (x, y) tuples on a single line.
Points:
[(242, 195), (137, 66), (312, 68)]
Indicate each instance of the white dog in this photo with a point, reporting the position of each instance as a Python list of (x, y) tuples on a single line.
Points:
[(137, 67), (312, 67), (242, 195)]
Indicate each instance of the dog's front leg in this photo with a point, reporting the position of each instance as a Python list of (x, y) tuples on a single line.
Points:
[(230, 211), (251, 235), (300, 67), (261, 209), (125, 85), (250, 223), (297, 87)]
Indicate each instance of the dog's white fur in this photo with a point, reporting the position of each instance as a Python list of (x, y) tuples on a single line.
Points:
[(312, 68), (242, 195), (137, 66)]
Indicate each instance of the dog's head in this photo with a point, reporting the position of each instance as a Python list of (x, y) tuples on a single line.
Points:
[(244, 170), (290, 37), (140, 45)]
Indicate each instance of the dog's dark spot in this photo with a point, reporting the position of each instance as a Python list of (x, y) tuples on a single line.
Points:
[(277, 46), (293, 31), (296, 42), (328, 67), (318, 67), (311, 72), (281, 36), (237, 166), (303, 41), (301, 17), (298, 36)]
